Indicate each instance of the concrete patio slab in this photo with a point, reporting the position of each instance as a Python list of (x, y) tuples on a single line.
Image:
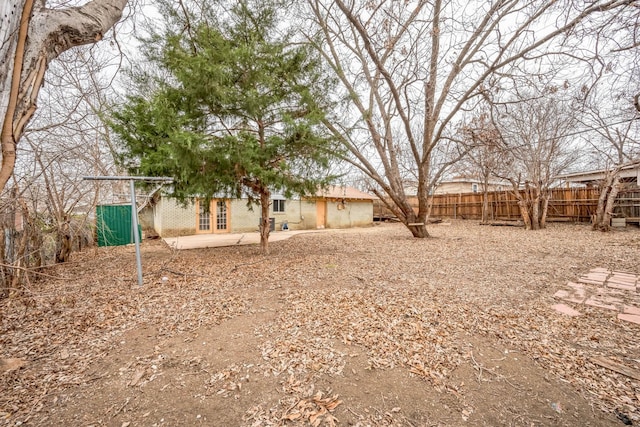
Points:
[(200, 241)]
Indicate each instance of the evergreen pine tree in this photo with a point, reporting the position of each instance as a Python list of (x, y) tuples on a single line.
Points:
[(238, 112)]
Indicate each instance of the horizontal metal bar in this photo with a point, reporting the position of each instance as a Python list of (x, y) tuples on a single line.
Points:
[(129, 178)]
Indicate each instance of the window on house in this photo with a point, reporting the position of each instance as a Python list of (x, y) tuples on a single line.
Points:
[(278, 205), (474, 188)]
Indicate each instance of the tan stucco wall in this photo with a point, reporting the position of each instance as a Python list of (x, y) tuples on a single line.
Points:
[(308, 214), (172, 219), (355, 214), (298, 214), (242, 219)]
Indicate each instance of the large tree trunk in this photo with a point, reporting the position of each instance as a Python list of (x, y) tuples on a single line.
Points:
[(63, 240), (486, 173), (417, 223), (398, 203), (524, 203), (535, 210), (534, 205), (608, 194), (544, 210), (32, 35), (264, 221), (613, 194), (602, 201), (525, 214), (485, 205)]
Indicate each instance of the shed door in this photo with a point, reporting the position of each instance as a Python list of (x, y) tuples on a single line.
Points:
[(321, 213)]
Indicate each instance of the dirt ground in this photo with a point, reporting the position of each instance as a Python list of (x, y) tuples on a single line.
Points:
[(364, 327)]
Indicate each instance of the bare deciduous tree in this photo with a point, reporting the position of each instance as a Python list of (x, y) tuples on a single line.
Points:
[(66, 140), (486, 154), (614, 130), (31, 36), (537, 147), (610, 114), (410, 70)]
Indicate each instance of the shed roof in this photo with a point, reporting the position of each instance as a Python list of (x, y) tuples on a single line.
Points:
[(344, 192)]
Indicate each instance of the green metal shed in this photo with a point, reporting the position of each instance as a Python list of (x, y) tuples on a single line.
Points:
[(113, 225)]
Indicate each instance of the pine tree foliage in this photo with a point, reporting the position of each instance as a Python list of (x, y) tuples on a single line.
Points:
[(238, 110)]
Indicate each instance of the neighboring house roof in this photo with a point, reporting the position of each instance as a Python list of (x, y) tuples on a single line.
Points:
[(629, 170), (342, 192), (472, 180), (446, 184)]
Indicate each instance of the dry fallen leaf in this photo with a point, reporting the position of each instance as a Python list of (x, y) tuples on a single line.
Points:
[(406, 309), (137, 376), (11, 364)]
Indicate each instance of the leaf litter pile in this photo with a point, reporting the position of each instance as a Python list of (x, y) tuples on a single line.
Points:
[(345, 327)]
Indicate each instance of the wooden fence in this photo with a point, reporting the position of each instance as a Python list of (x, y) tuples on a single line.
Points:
[(628, 205), (566, 204)]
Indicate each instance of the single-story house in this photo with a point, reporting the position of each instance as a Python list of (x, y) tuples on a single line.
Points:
[(336, 207), (466, 184)]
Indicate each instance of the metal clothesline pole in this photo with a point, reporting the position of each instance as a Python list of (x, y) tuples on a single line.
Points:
[(134, 225), (134, 209)]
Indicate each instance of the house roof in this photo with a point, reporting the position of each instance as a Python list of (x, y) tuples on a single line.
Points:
[(461, 179), (471, 180), (629, 170), (411, 188), (343, 192)]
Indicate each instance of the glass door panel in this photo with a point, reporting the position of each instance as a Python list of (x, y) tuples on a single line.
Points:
[(203, 217), (221, 215)]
